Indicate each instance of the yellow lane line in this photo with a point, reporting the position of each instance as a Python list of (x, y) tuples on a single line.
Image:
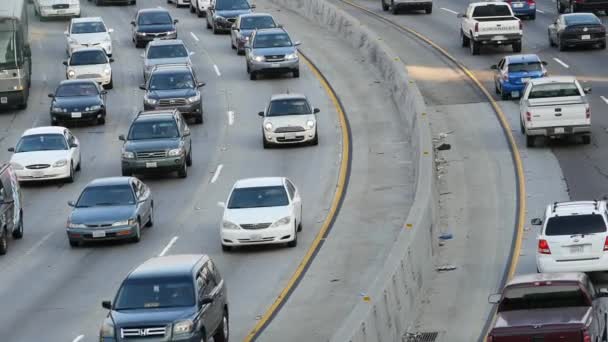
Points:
[(342, 180)]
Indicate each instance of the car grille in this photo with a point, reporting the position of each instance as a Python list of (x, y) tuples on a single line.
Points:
[(156, 34), (281, 139), (38, 166), (289, 129), (151, 154), (172, 102), (103, 225), (275, 58), (61, 6), (87, 76), (143, 332), (266, 239), (255, 226)]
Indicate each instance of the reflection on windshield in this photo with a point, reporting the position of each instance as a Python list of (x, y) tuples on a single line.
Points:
[(167, 51), (88, 57), (82, 89), (155, 293), (266, 196), (226, 5), (142, 130), (257, 22), (158, 18), (90, 27), (106, 195), (271, 40), (42, 142), (8, 58), (519, 67), (167, 81), (288, 107)]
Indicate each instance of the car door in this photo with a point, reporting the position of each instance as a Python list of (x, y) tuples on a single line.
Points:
[(205, 311), (215, 287), (74, 151), (498, 73), (6, 202), (234, 32), (296, 200)]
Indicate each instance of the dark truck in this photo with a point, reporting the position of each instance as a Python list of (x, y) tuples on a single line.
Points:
[(549, 307)]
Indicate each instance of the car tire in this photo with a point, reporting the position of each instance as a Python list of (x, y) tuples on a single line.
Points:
[(296, 73), (198, 119), (532, 17), (315, 140), (562, 45), (222, 333), (137, 236), (226, 248), (586, 139), (189, 158), (394, 9), (522, 129), (139, 44), (300, 226), (265, 142), (111, 84), (74, 243), (98, 2), (18, 234), (253, 75), (496, 90), (101, 120), (474, 47), (3, 242), (560, 9), (214, 29), (464, 40), (530, 140), (134, 2), (603, 45), (183, 172), (385, 7), (503, 94), (208, 25), (551, 43), (150, 222), (231, 44), (517, 46), (126, 173), (240, 52), (429, 9), (70, 179), (191, 8), (294, 242)]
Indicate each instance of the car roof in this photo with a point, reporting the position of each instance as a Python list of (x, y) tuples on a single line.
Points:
[(89, 48), (523, 58), (109, 181), (77, 81), (258, 182), (86, 19), (170, 265), (553, 79), (44, 130), (575, 208), (257, 14), (152, 10), (152, 115), (169, 68), (286, 96), (538, 277), (166, 42), (579, 14), (271, 30)]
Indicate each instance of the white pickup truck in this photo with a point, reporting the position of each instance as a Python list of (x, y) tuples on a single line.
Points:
[(490, 23), (555, 107)]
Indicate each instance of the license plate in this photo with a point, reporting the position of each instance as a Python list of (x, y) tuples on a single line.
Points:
[(275, 65), (151, 165), (255, 237), (515, 93), (586, 36), (525, 80), (576, 249), (38, 174), (61, 11), (76, 115), (559, 130), (290, 136), (4, 100), (499, 38), (99, 234), (518, 5)]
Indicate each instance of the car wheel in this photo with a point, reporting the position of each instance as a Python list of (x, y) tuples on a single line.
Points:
[(208, 25), (464, 40), (198, 119), (496, 90), (191, 8), (215, 30), (315, 140), (586, 139), (126, 173), (183, 172), (522, 129), (18, 234), (603, 45), (517, 46), (150, 222), (134, 2), (137, 236), (560, 7), (189, 158), (101, 120), (532, 17), (111, 84), (296, 73), (253, 76), (300, 226), (385, 7), (429, 9), (226, 248), (70, 178), (232, 44), (74, 243), (265, 142), (474, 47), (562, 45), (551, 43), (240, 52), (530, 140), (294, 242), (394, 9), (3, 242), (503, 95), (223, 331)]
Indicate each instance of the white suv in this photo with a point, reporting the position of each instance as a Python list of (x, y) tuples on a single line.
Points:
[(573, 237)]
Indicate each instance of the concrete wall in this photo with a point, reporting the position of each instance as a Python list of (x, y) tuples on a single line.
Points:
[(390, 308)]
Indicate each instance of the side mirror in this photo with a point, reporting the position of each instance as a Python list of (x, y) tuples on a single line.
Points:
[(206, 300), (133, 23), (316, 110), (253, 6), (71, 204), (65, 63), (142, 86), (536, 222), (103, 92), (187, 132), (494, 298), (122, 137), (73, 145), (110, 30), (175, 21), (11, 149), (201, 84), (191, 53), (544, 63), (460, 15), (280, 25), (494, 67), (111, 60), (587, 90), (261, 114), (51, 95), (221, 204), (106, 304), (297, 44)]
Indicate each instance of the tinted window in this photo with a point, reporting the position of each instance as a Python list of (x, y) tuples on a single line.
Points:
[(167, 81), (78, 89), (581, 19), (167, 51), (155, 293), (540, 91), (527, 66), (41, 142), (288, 107), (257, 22), (492, 11), (577, 224), (146, 129), (267, 196), (271, 40), (224, 5), (88, 57), (90, 27), (106, 195), (542, 297), (155, 18)]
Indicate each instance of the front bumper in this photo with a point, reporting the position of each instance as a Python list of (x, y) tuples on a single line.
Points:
[(148, 37), (552, 132), (194, 337), (75, 117), (50, 173), (546, 264), (111, 233), (247, 237), (193, 109), (106, 46), (63, 12), (12, 98), (168, 164), (290, 138), (275, 67), (103, 80)]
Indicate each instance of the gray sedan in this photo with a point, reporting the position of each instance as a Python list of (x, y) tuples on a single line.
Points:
[(110, 209), (271, 51), (166, 51)]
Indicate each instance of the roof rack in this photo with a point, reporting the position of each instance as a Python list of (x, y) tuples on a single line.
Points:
[(158, 111), (169, 66), (595, 203)]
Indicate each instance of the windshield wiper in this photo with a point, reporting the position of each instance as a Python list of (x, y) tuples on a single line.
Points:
[(107, 204)]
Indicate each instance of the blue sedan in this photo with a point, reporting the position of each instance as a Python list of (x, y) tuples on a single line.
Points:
[(513, 72), (523, 8)]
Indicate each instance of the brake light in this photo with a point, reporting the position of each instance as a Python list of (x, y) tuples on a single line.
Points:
[(543, 247), (586, 336), (531, 2), (476, 27), (490, 338), (588, 112), (606, 244), (528, 116)]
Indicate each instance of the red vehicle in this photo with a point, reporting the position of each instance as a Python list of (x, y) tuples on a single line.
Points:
[(549, 307)]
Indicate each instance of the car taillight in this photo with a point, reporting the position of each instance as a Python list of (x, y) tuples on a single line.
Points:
[(490, 338), (531, 2), (543, 247), (528, 116), (476, 27), (588, 112), (586, 336), (606, 244)]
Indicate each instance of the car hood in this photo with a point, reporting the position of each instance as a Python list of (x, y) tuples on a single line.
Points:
[(174, 60), (90, 38), (274, 51), (39, 157), (152, 145), (155, 28), (289, 120), (77, 103), (229, 14), (169, 94), (102, 214), (150, 317), (256, 215), (542, 317)]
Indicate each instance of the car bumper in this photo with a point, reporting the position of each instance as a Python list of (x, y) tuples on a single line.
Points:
[(153, 165), (275, 67), (148, 38), (112, 233), (247, 237), (194, 337), (106, 46), (73, 117), (524, 11), (547, 264), (498, 39), (290, 138), (511, 87), (591, 41), (103, 80), (224, 25), (187, 110), (551, 131), (50, 173), (64, 12), (413, 4), (12, 98)]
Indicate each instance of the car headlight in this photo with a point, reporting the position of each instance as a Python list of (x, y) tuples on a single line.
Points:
[(71, 73), (176, 152), (310, 124), (268, 126), (194, 98), (150, 101), (76, 225), (59, 109), (107, 70), (229, 225), (129, 222), (107, 329), (16, 166), (285, 220), (258, 58), (171, 32), (183, 327), (128, 155), (60, 163), (140, 33), (291, 56), (95, 107)]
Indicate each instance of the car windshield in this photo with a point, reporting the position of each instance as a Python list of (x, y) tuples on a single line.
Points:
[(78, 89), (288, 107), (226, 5), (42, 142), (151, 293), (8, 50), (271, 40), (257, 22), (576, 224), (88, 27), (491, 10), (581, 19), (540, 91), (155, 18), (525, 66), (88, 57), (258, 197), (167, 51), (147, 129), (106, 195), (542, 297), (169, 81)]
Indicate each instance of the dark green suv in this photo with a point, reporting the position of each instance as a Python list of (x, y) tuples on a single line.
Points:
[(158, 140)]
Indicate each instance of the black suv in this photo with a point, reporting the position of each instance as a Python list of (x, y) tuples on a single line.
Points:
[(157, 141), (174, 86), (152, 23), (169, 298)]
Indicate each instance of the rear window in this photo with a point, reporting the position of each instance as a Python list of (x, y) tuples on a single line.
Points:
[(525, 66), (554, 90), (492, 11), (543, 297), (581, 19), (577, 224)]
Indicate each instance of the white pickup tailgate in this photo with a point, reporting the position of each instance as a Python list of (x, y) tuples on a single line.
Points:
[(498, 26), (557, 111)]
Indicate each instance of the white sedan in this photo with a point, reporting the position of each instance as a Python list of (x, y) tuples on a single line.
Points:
[(90, 63), (88, 32), (46, 153), (261, 211)]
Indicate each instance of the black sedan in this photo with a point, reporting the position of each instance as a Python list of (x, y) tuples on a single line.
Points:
[(153, 23), (78, 100), (576, 29), (111, 209)]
